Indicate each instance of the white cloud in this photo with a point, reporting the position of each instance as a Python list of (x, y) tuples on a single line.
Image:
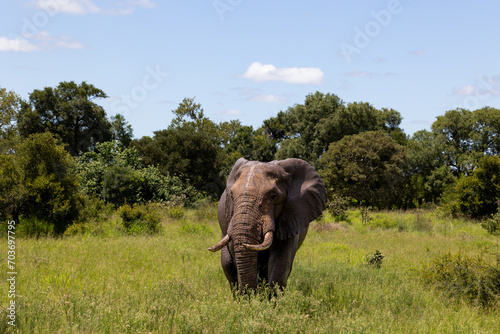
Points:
[(268, 98), (57, 42), (229, 112), (17, 44), (82, 7), (259, 72), (41, 41)]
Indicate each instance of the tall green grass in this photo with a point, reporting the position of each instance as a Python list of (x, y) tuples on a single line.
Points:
[(170, 283)]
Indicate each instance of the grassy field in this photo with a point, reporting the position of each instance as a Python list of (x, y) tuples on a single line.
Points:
[(170, 283)]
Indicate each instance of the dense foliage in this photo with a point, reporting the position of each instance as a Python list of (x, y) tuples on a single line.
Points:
[(59, 149), (68, 112), (117, 175), (38, 182), (367, 167)]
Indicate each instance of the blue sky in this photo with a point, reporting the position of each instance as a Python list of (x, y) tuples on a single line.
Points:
[(248, 60)]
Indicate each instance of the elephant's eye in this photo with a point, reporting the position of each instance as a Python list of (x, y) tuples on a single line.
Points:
[(274, 196)]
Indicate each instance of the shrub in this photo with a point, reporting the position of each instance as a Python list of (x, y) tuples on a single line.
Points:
[(464, 277), (176, 212), (478, 194), (118, 176), (138, 219), (492, 225), (34, 227), (375, 259), (120, 185), (76, 229), (38, 183), (94, 209), (337, 206)]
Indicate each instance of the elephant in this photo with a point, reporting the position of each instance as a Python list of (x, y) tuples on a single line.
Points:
[(264, 214)]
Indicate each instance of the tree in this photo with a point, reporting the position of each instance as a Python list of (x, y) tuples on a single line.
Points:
[(188, 148), (479, 194), (68, 112), (459, 139), (466, 136), (368, 167), (117, 175), (10, 104), (38, 181), (120, 185), (241, 141), (306, 130), (485, 132), (121, 131), (428, 171), (453, 132), (93, 165)]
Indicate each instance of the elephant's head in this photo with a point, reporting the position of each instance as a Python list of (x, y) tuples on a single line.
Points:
[(264, 205)]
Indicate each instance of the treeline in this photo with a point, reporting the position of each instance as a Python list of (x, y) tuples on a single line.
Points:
[(59, 150)]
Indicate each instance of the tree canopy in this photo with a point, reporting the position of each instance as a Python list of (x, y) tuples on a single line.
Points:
[(38, 182), (59, 147), (367, 167), (189, 147), (67, 111), (306, 130), (10, 103)]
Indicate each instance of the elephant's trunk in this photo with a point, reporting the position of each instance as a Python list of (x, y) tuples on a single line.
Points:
[(251, 231), (246, 264)]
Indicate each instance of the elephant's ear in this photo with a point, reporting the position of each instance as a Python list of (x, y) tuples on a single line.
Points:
[(305, 201), (225, 209)]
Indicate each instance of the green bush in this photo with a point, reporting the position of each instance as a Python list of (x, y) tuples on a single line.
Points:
[(118, 176), (94, 209), (492, 225), (139, 219), (375, 259), (337, 206), (76, 229), (478, 194), (38, 184), (463, 277), (34, 227), (176, 212), (120, 185)]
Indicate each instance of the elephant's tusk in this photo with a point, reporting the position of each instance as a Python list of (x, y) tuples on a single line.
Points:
[(268, 240), (220, 244)]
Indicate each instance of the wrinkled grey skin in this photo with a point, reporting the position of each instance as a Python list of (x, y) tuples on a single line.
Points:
[(279, 197)]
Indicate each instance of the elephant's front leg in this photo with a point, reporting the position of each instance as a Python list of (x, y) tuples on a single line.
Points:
[(229, 267), (281, 260)]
